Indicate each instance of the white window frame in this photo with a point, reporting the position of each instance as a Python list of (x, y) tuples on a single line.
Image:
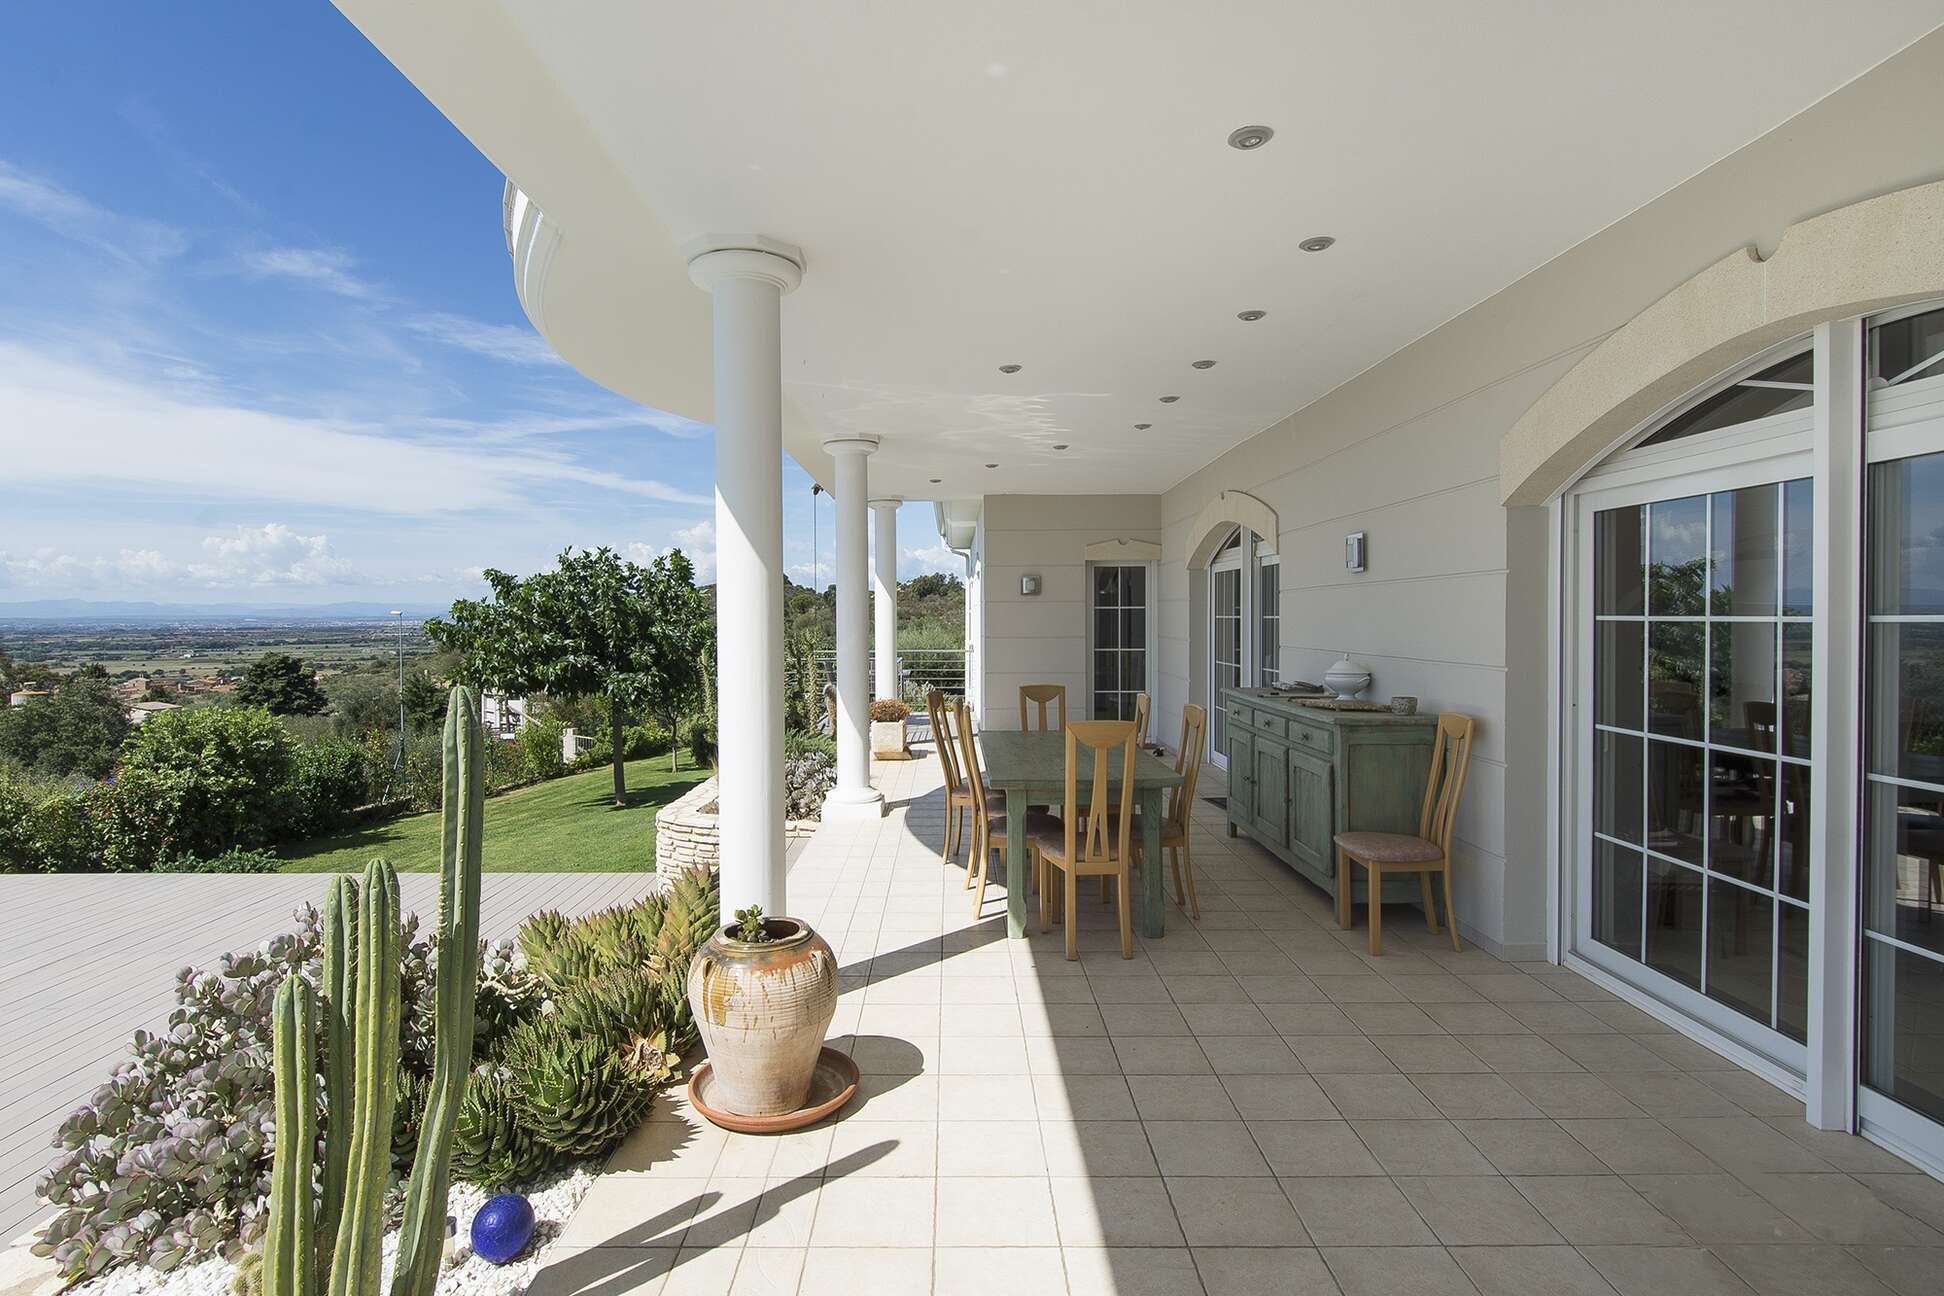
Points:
[(1151, 652), (1248, 558)]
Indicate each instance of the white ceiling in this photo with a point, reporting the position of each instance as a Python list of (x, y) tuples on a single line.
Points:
[(1047, 184)]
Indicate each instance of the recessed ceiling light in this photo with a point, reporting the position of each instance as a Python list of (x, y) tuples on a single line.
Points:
[(992, 465), (1059, 445), (1317, 244), (1169, 400), (1250, 317), (1247, 138), (1142, 427), (1204, 364), (1008, 368)]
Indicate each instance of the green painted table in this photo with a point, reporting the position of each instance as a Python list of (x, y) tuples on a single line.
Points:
[(1030, 768)]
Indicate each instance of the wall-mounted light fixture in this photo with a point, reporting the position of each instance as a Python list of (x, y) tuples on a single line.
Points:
[(1353, 551), (1029, 585)]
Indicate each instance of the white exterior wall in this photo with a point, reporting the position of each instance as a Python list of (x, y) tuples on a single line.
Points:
[(1453, 604), (1043, 639)]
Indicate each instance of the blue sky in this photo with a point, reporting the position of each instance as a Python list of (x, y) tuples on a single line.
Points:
[(259, 341)]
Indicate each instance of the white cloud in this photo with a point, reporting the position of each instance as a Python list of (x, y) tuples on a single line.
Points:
[(271, 554), (73, 217), (245, 557), (94, 428), (326, 268), (920, 560), (696, 542), (509, 343)]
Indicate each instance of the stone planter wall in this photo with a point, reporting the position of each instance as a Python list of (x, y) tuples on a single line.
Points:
[(688, 832)]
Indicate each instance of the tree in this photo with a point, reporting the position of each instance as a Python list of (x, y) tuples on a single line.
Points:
[(595, 624), (361, 703), (425, 701), (281, 685), (78, 730)]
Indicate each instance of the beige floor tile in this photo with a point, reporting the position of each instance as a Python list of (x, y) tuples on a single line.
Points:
[(1572, 1095), (894, 1098), (1717, 1208), (1390, 1271), (1836, 1208), (1249, 1055), (801, 1152), (769, 1271), (1330, 1054), (1284, 988), (987, 1097), (1477, 1018), (1530, 1147), (1477, 1210), (1017, 1271), (1391, 1019), (1484, 1096), (982, 1055), (706, 1270), (996, 1212), (635, 1211), (1161, 1055), (1745, 1144), (1205, 1148), (1638, 1146), (1908, 1271), (1509, 1054), (1278, 1098), (1421, 1147), (1131, 1271), (880, 1149), (1100, 1211), (1592, 1210), (1235, 1212), (1313, 1147), (1071, 1055), (1376, 1096), (848, 1271), (1847, 1152), (1752, 1093), (685, 1147), (603, 1271), (1099, 1148), (1916, 1195), (1801, 1271), (1143, 1019), (1263, 1271), (861, 1212), (1093, 1097), (1180, 1097), (1428, 1054), (1664, 1271), (1530, 1271), (1301, 1020), (1357, 1211), (990, 1148)]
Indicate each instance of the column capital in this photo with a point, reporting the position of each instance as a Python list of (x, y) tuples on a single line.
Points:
[(714, 258), (850, 443), (886, 501)]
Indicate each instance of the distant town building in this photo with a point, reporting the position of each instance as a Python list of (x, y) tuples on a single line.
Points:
[(141, 711), (501, 715), (24, 696)]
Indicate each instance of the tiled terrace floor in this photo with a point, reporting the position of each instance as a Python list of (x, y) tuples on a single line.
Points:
[(1248, 1106)]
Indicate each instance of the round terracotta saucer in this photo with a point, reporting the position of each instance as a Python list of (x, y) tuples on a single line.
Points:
[(831, 1087)]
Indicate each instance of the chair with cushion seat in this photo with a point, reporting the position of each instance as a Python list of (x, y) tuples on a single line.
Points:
[(1427, 852), (1102, 845), (988, 811), (1181, 804), (1043, 695)]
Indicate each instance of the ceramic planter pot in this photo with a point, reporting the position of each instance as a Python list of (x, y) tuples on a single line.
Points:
[(762, 1009), (887, 738)]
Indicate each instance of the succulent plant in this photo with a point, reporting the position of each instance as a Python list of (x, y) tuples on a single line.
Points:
[(576, 1093), (491, 1146)]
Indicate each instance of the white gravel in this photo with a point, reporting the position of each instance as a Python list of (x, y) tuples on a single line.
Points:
[(465, 1274)]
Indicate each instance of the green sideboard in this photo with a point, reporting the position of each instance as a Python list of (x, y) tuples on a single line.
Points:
[(1298, 775)]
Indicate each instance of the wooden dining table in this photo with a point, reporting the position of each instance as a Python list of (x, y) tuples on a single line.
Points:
[(1030, 768)]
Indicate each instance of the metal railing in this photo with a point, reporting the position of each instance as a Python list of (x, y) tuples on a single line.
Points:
[(919, 670)]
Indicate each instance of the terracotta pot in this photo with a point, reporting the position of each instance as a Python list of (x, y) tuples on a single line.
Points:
[(762, 1009)]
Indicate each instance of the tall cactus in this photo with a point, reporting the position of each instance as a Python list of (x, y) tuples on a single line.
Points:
[(340, 989), (289, 1248), (422, 1242), (356, 1259)]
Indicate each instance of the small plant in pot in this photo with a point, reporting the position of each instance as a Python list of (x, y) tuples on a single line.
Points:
[(764, 990), (888, 717)]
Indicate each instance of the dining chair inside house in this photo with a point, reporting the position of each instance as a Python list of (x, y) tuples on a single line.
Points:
[(1042, 696), (1102, 845), (1424, 853), (989, 821), (1181, 806)]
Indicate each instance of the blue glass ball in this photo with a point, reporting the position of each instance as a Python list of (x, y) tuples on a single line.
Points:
[(502, 1228)]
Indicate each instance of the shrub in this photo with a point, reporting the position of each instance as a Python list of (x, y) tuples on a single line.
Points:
[(199, 781), (230, 861), (807, 780), (48, 827), (702, 744), (804, 742), (888, 710), (539, 749), (503, 764), (327, 782)]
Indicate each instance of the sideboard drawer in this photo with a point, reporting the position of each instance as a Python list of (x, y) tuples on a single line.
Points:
[(1268, 722), (1315, 739)]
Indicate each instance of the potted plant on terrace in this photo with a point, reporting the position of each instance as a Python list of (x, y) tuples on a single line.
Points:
[(763, 991), (888, 717)]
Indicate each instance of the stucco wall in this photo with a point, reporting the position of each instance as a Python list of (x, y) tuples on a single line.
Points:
[(1453, 604), (1043, 639)]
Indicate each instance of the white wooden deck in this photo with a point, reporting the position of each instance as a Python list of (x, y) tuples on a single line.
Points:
[(89, 959)]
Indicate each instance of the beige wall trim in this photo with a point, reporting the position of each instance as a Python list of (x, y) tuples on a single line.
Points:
[(1229, 508), (1857, 260), (1123, 551)]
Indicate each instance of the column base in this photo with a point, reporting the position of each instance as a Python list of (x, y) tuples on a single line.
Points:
[(853, 805)]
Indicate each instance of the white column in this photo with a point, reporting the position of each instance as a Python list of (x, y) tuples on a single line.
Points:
[(747, 277), (853, 797), (884, 587)]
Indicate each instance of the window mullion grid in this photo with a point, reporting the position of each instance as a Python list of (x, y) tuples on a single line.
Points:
[(1775, 829), (1707, 735), (1646, 714)]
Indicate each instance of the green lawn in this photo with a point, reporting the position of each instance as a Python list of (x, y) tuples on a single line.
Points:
[(566, 826)]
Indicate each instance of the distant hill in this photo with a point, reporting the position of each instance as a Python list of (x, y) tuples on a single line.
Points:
[(91, 610)]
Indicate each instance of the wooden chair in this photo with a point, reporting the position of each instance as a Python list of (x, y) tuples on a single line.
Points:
[(1042, 694), (1104, 845), (988, 811), (1143, 704), (1424, 854), (1181, 808), (957, 795)]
